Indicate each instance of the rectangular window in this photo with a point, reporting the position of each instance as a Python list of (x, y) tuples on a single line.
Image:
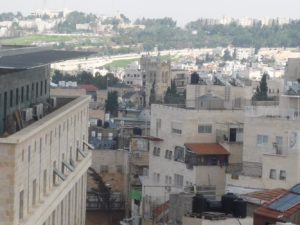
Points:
[(158, 123), (179, 154), (272, 174), (178, 180), (45, 183), (262, 139), (21, 205), (205, 129), (45, 83), (37, 89), (34, 192), (156, 177), (176, 127), (282, 175), (11, 95), (22, 94), (168, 154), (156, 151), (278, 145), (27, 93), (17, 96), (41, 91)]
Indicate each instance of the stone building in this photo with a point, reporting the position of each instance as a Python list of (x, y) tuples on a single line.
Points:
[(156, 75), (43, 143)]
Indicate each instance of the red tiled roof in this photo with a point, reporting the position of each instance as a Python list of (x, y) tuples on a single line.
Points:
[(88, 87), (266, 196), (206, 149)]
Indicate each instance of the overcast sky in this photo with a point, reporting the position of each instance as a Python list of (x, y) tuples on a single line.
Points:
[(181, 10)]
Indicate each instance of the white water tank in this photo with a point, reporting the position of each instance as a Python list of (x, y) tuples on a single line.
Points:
[(106, 117)]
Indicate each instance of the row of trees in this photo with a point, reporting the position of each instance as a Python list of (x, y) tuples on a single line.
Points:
[(100, 82)]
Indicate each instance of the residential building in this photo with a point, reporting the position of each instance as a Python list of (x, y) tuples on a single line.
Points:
[(192, 150), (133, 75), (181, 78), (292, 72), (43, 143)]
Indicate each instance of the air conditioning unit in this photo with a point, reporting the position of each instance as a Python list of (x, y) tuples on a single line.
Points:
[(27, 114), (38, 110), (53, 102)]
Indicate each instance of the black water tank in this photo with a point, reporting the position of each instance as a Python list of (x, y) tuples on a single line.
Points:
[(99, 123), (227, 202), (137, 131), (199, 204), (239, 208), (106, 124), (214, 206), (195, 78)]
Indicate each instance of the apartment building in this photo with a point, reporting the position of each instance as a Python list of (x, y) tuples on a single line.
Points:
[(194, 149), (156, 75), (271, 150), (43, 142)]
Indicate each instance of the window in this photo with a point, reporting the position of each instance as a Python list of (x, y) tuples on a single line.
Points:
[(34, 192), (272, 174), (168, 180), (178, 180), (17, 96), (168, 154), (37, 89), (41, 91), (179, 154), (156, 151), (205, 129), (156, 177), (21, 205), (262, 140), (45, 183), (45, 87), (176, 127), (282, 175), (158, 123), (278, 145), (22, 94)]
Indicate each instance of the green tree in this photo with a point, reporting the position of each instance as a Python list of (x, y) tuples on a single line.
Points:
[(111, 104), (227, 55), (261, 93)]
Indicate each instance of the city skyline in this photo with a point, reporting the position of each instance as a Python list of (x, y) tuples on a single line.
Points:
[(182, 12)]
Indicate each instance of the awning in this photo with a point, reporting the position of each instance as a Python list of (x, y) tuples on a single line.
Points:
[(206, 149), (81, 152), (88, 145), (59, 174), (68, 165)]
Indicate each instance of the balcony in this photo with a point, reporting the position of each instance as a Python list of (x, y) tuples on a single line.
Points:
[(139, 158), (276, 150)]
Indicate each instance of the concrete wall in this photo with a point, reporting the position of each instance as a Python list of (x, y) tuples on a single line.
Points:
[(33, 153)]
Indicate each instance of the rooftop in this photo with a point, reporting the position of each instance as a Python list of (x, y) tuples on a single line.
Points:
[(283, 206), (39, 58), (260, 197), (88, 87), (206, 149)]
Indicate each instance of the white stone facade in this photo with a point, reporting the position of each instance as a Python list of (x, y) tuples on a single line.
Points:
[(31, 192)]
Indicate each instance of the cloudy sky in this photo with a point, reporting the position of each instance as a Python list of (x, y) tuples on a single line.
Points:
[(181, 10)]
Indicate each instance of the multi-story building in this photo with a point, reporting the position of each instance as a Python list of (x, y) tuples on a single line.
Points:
[(156, 76), (271, 150), (43, 143), (181, 78), (292, 72), (133, 75), (193, 150)]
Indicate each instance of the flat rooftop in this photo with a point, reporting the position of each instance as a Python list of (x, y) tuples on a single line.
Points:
[(29, 60), (64, 106)]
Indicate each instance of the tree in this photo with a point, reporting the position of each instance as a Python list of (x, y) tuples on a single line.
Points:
[(111, 103), (234, 53), (261, 93), (227, 56)]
